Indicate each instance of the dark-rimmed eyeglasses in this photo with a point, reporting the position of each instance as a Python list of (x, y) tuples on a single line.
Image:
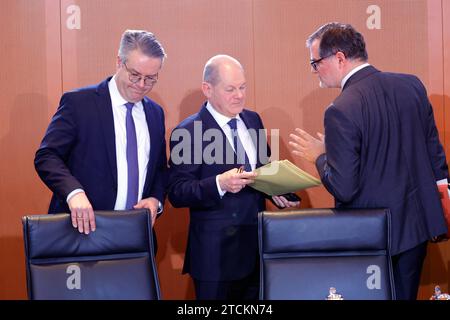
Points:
[(315, 63), (136, 77)]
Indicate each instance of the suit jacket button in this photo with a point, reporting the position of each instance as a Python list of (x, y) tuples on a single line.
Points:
[(234, 214)]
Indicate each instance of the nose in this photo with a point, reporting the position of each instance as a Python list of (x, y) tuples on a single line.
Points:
[(240, 93), (141, 83)]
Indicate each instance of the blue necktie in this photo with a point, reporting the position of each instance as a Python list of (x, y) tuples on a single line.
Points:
[(132, 159), (241, 155)]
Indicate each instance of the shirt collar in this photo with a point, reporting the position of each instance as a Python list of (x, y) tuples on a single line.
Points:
[(220, 118), (116, 98), (352, 72)]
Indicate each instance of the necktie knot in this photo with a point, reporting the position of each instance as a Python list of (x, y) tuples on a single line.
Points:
[(129, 105), (233, 123)]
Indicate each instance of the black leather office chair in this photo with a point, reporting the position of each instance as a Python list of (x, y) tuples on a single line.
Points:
[(306, 252), (114, 262)]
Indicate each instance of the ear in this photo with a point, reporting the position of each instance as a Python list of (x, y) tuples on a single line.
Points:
[(206, 88), (118, 62), (340, 56)]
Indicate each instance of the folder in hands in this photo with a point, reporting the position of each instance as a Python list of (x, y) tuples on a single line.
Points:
[(282, 176)]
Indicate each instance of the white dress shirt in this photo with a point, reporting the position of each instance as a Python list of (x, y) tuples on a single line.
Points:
[(143, 142)]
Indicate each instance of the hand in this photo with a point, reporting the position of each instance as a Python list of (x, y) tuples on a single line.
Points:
[(233, 181), (151, 204), (440, 238), (282, 202), (82, 213), (306, 146)]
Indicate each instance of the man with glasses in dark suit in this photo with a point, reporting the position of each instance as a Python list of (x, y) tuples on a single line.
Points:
[(105, 147), (380, 149)]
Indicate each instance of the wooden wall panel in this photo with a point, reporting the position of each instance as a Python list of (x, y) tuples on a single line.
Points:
[(434, 269), (443, 274), (29, 85)]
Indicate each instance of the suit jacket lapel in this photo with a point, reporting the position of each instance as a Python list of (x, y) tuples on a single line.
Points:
[(104, 108), (208, 122), (252, 124), (155, 138)]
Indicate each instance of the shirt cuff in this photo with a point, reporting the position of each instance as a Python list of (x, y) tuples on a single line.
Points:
[(221, 192), (443, 181), (74, 192)]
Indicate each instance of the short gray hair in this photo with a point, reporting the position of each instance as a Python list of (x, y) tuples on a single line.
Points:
[(335, 36), (144, 41), (211, 72)]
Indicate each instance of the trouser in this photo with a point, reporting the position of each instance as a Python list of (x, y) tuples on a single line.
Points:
[(407, 267), (242, 289)]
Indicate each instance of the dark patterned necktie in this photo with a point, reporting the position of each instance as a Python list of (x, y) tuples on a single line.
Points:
[(241, 155)]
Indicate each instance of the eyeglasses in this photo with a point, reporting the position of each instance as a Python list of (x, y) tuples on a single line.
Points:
[(136, 77), (315, 63)]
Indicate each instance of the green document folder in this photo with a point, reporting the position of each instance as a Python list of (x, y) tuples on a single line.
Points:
[(282, 176)]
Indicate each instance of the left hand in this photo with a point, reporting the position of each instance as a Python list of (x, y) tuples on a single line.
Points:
[(306, 146), (151, 204), (284, 203)]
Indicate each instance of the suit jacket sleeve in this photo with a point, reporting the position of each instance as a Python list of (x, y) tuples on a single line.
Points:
[(54, 151), (187, 187), (435, 150), (158, 189), (339, 167)]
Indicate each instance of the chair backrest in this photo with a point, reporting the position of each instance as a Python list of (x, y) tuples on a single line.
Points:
[(304, 253), (116, 261)]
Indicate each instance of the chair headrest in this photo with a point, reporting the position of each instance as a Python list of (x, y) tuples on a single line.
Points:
[(324, 230), (51, 235)]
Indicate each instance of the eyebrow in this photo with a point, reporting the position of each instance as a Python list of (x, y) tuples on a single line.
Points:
[(140, 74)]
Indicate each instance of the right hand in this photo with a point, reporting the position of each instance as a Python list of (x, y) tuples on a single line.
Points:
[(82, 213), (307, 146), (233, 181)]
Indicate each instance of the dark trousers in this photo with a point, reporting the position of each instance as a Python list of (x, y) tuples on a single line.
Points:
[(242, 289), (407, 268)]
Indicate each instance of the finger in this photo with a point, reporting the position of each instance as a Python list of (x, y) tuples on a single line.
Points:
[(303, 135), (294, 145), (295, 137), (153, 215), (299, 140), (139, 205), (284, 201), (246, 181), (321, 136), (73, 216), (86, 221), (80, 221), (299, 153), (292, 204), (248, 174), (277, 201)]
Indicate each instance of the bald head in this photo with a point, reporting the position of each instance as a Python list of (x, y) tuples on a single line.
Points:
[(224, 85), (214, 66)]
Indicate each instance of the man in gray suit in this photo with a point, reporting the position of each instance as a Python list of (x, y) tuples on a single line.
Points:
[(381, 147)]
